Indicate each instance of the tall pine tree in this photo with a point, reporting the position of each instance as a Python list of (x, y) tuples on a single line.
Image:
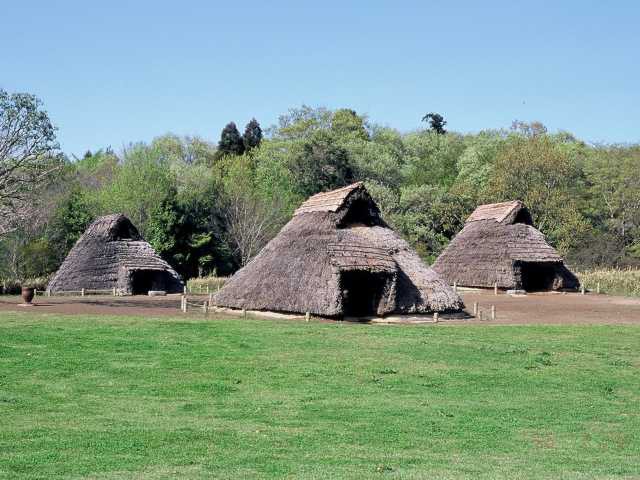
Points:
[(252, 135), (230, 140), (436, 122)]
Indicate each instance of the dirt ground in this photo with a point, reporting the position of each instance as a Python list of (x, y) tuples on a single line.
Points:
[(539, 308)]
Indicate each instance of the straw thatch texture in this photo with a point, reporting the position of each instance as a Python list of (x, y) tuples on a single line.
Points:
[(335, 238), (499, 244), (111, 253)]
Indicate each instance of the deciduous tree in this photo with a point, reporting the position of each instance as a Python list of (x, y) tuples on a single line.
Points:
[(29, 156)]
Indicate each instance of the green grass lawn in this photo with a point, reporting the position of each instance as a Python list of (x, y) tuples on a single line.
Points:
[(127, 397)]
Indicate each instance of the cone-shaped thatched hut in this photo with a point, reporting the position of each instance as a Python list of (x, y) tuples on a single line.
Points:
[(500, 244), (111, 253), (335, 258)]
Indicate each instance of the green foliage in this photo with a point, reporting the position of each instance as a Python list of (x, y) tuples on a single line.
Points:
[(429, 216), (231, 142), (252, 135), (547, 178), (321, 165), (29, 156), (436, 122), (141, 183), (346, 123), (71, 218)]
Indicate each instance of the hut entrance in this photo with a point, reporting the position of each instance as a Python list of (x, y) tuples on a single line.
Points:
[(363, 293), (537, 276), (144, 280)]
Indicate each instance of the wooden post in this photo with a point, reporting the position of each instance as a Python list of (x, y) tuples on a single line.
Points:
[(207, 288), (495, 288), (455, 286), (48, 292), (307, 316), (582, 290), (205, 307), (113, 291), (481, 316), (493, 312), (475, 309), (183, 304), (598, 287), (82, 292), (435, 317), (244, 313), (210, 298), (184, 290)]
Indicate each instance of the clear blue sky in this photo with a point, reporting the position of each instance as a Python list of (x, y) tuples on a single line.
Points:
[(115, 72)]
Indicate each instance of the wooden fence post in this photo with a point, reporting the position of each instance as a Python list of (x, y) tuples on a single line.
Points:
[(475, 309), (205, 307), (582, 290), (598, 287), (307, 316), (82, 292), (455, 286), (493, 312), (184, 290), (435, 317), (495, 288)]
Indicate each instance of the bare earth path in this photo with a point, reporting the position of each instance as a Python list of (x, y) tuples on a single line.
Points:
[(543, 308)]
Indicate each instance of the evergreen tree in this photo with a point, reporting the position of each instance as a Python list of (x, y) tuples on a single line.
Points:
[(436, 122), (230, 140), (252, 135)]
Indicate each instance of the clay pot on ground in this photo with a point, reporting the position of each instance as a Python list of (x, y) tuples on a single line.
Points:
[(27, 294)]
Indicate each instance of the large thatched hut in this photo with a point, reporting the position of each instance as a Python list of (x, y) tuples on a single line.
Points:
[(336, 258), (112, 254), (499, 244)]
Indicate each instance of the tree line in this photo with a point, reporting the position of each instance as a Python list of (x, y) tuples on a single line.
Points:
[(208, 207)]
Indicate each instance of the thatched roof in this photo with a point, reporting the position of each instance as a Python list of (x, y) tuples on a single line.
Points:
[(497, 242), (111, 253), (304, 269), (505, 212)]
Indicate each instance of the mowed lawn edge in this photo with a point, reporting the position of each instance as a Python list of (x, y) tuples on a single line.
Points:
[(136, 397)]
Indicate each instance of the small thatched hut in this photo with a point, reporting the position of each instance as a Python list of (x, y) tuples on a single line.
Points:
[(499, 244), (111, 253), (336, 258)]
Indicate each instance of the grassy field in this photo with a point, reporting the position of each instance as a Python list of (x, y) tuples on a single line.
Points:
[(116, 398)]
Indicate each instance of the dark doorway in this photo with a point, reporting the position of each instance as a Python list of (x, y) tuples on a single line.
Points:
[(362, 293), (537, 276), (144, 280)]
